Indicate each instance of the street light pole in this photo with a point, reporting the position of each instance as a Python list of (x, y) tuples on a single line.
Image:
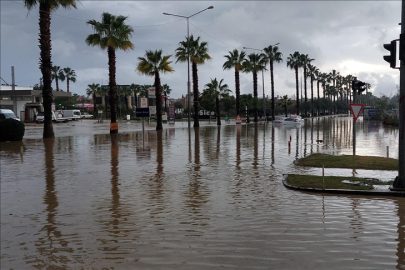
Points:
[(264, 99), (188, 56)]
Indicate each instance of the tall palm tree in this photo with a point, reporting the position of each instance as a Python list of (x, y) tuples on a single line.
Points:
[(45, 9), (70, 76), (217, 90), (253, 64), (311, 74), (305, 61), (332, 77), (198, 53), (124, 91), (293, 61), (235, 61), (103, 91), (317, 75), (136, 91), (111, 33), (57, 74), (272, 55), (92, 90), (150, 65), (166, 91)]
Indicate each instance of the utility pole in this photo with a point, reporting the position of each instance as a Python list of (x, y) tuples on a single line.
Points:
[(13, 91)]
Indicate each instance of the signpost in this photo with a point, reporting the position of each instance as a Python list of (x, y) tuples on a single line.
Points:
[(142, 112), (355, 109)]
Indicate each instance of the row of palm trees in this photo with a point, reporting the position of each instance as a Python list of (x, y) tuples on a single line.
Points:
[(112, 33), (63, 74)]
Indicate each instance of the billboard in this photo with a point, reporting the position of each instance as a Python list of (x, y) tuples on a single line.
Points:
[(144, 102), (151, 92)]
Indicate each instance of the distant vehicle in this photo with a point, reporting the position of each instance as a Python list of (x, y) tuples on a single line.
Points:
[(72, 114), (86, 115), (56, 118), (288, 121), (5, 113)]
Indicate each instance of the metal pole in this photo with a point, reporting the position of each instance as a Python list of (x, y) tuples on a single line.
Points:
[(354, 122), (13, 90), (264, 100), (188, 74), (401, 143)]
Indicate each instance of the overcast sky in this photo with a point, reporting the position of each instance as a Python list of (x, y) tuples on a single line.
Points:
[(344, 35)]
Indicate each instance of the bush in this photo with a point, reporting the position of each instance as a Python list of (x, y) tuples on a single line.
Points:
[(11, 130)]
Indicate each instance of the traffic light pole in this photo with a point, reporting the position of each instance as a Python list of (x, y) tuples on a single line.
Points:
[(354, 120), (400, 180)]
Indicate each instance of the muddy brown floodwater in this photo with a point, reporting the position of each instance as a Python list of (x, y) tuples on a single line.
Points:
[(208, 198)]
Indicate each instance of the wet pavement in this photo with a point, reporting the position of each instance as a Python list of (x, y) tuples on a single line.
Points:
[(208, 198)]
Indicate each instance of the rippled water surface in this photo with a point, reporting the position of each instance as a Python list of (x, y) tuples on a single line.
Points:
[(208, 198)]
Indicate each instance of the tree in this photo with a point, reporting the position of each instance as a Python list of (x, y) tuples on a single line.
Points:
[(103, 91), (136, 90), (332, 77), (217, 90), (305, 61), (92, 90), (284, 103), (124, 91), (70, 76), (272, 55), (166, 91), (57, 74), (45, 9), (235, 61), (293, 61), (197, 52), (252, 64), (111, 33), (312, 71), (151, 65)]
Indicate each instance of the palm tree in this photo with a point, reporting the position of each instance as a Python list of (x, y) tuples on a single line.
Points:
[(252, 64), (311, 74), (305, 61), (136, 90), (198, 53), (235, 61), (332, 77), (217, 91), (57, 74), (293, 61), (70, 76), (272, 55), (111, 33), (92, 90), (284, 103), (103, 91), (166, 91), (124, 91), (45, 9), (151, 65)]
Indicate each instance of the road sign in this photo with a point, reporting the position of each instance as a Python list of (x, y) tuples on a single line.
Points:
[(142, 112), (238, 119), (356, 109)]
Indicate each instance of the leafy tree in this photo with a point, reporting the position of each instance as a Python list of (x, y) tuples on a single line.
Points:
[(272, 54), (252, 64), (151, 65), (197, 52), (235, 61), (45, 9), (111, 33)]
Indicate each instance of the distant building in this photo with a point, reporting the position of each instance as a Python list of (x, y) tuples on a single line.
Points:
[(29, 101)]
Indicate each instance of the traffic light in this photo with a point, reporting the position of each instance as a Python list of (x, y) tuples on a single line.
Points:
[(361, 86), (392, 58)]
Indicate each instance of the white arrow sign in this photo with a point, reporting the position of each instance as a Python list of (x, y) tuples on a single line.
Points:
[(356, 109)]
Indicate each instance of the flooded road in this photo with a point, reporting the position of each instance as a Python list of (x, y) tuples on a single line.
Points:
[(208, 198)]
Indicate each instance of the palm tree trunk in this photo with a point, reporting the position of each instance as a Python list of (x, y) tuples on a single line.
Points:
[(46, 65), (196, 95), (237, 90), (95, 106), (317, 87), (113, 88), (255, 96), (158, 89), (67, 82), (57, 82), (312, 97), (272, 90), (218, 109), (298, 93)]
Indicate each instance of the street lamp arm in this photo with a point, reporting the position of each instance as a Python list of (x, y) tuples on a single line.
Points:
[(164, 13), (210, 7)]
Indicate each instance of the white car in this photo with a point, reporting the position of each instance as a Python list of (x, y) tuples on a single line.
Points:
[(288, 121), (86, 115)]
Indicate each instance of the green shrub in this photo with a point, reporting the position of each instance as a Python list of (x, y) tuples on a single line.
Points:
[(11, 130)]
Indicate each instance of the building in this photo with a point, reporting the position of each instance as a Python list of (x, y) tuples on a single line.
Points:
[(28, 101)]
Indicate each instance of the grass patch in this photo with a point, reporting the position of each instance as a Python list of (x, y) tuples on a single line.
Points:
[(349, 161), (333, 182)]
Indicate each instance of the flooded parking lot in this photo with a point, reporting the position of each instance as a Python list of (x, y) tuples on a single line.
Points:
[(206, 198)]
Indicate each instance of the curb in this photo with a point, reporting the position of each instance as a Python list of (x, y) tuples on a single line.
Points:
[(346, 191)]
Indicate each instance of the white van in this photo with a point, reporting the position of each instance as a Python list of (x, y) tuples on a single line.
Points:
[(72, 114), (5, 113)]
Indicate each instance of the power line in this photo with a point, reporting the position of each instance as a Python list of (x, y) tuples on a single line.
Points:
[(213, 37)]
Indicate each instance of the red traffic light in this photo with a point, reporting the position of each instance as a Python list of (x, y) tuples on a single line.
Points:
[(392, 48)]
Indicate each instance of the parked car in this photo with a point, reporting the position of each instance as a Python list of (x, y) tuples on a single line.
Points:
[(40, 118), (86, 115), (5, 113)]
